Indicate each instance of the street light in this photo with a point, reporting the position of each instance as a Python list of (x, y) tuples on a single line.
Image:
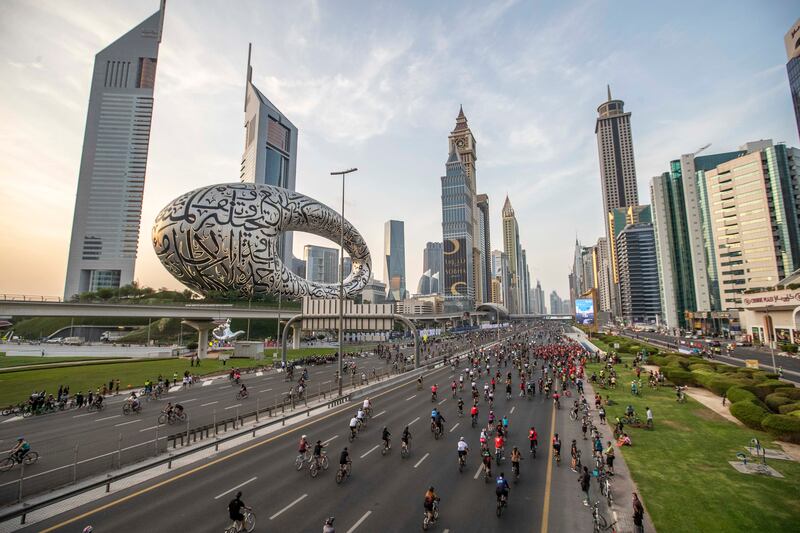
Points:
[(341, 173), (771, 337)]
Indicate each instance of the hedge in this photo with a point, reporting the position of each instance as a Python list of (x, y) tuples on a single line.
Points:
[(720, 385), (784, 427), (788, 408), (658, 360), (775, 400), (791, 392), (765, 388), (678, 376), (795, 413), (749, 413), (738, 394), (701, 366)]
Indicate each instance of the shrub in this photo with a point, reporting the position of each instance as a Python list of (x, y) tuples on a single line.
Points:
[(738, 394), (791, 392), (720, 385), (784, 427), (703, 377), (787, 408), (772, 375), (767, 387), (678, 376), (192, 345), (795, 413), (749, 413), (699, 366), (658, 360), (775, 400)]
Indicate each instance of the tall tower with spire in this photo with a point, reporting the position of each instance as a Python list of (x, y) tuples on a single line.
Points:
[(513, 251), (108, 204)]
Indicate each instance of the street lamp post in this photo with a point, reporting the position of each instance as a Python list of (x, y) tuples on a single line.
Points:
[(771, 337), (341, 173)]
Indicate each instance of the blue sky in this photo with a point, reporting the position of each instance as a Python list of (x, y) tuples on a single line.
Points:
[(377, 85)]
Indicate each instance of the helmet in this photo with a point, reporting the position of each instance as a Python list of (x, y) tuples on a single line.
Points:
[(461, 438), (88, 529), (303, 437), (21, 439)]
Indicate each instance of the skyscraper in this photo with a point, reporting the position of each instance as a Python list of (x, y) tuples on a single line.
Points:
[(792, 42), (603, 275), (322, 264), (394, 251), (108, 204), (432, 266), (270, 147), (639, 292), (485, 244), (514, 253), (458, 219), (617, 168)]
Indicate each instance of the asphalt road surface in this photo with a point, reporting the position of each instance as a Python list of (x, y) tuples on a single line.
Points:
[(106, 438), (384, 493)]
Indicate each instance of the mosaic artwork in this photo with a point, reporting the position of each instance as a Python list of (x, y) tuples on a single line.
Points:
[(225, 238)]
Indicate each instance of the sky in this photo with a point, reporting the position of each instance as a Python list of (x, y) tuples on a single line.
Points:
[(377, 85)]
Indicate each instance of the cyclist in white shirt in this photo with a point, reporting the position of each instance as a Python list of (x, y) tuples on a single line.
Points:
[(463, 448), (353, 425), (360, 415)]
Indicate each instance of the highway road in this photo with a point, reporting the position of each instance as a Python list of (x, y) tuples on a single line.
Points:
[(108, 438), (385, 493)]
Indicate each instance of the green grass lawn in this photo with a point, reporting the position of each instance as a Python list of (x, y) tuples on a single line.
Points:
[(17, 386), (682, 470), (10, 361)]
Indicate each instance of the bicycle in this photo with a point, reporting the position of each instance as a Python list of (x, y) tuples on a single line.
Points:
[(241, 395), (573, 415), (129, 407), (462, 462), (343, 473), (434, 516), (171, 417), (8, 463), (599, 522), (301, 459), (387, 446), (502, 501), (317, 464), (248, 524), (405, 451), (557, 457), (353, 433), (94, 406)]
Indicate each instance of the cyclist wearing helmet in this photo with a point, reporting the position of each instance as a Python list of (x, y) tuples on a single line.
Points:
[(463, 448), (21, 449), (235, 508)]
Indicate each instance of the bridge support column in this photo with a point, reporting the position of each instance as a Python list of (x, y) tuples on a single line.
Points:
[(285, 335), (414, 332), (296, 337), (202, 327)]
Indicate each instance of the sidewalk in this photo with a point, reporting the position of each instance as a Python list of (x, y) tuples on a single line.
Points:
[(622, 484)]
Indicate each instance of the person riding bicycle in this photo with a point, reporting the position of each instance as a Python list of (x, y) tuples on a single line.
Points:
[(133, 400), (177, 410), (491, 418), (463, 448), (516, 457), (360, 415), (460, 406), (406, 436), (501, 487), (434, 389), (386, 436), (98, 401), (573, 452), (439, 420), (235, 509), (353, 425), (21, 449), (243, 390), (430, 497), (167, 410), (556, 398), (327, 527), (473, 412), (344, 459), (505, 424), (486, 457), (499, 446), (302, 446), (366, 406), (533, 438), (557, 445), (318, 451), (419, 382)]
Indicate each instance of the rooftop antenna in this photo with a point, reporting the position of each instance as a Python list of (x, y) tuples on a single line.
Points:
[(161, 10), (249, 73)]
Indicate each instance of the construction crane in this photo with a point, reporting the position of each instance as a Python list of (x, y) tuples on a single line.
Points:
[(701, 149)]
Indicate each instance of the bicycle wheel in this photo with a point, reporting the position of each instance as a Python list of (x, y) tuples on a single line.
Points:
[(298, 462), (30, 458), (126, 409), (339, 476), (181, 417), (325, 463), (7, 464), (162, 418), (249, 522), (499, 508), (602, 523), (314, 469)]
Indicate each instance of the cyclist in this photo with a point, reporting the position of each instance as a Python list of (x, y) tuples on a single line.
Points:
[(556, 401), (177, 410), (487, 461), (419, 382), (328, 526), (516, 457), (557, 447), (434, 388), (302, 447), (434, 414), (344, 460), (353, 426), (461, 407), (405, 437), (463, 448), (491, 418), (439, 421), (366, 406), (235, 509), (484, 440), (386, 438), (499, 445), (573, 451), (533, 438), (430, 497), (133, 400), (318, 452), (243, 390), (501, 487), (360, 416), (505, 425), (453, 387), (21, 449), (473, 412)]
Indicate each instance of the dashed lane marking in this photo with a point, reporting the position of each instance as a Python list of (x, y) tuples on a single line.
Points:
[(330, 439), (478, 471), (420, 461), (240, 485), (147, 429), (209, 403), (126, 423), (370, 450), (107, 418), (511, 412), (233, 406), (411, 397), (454, 427), (379, 414), (360, 520), (416, 419), (298, 500), (187, 401), (440, 403), (265, 390)]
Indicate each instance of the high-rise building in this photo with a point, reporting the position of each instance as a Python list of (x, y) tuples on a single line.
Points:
[(538, 299), (638, 267), (754, 217), (432, 266), (374, 292), (484, 243), (557, 304), (502, 274), (108, 203), (513, 251), (394, 251), (270, 147), (461, 220), (459, 209), (617, 169), (322, 264), (525, 288), (792, 42), (603, 275)]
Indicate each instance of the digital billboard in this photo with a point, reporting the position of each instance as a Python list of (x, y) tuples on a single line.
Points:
[(455, 267), (584, 311)]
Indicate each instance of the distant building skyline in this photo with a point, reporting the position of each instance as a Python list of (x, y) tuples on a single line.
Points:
[(432, 265), (792, 42), (639, 289), (116, 142), (322, 263), (394, 259)]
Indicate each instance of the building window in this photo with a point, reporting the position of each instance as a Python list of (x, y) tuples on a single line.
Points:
[(277, 169)]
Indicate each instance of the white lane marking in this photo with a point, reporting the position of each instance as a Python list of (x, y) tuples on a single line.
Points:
[(298, 500), (478, 472), (16, 418), (147, 429), (126, 423), (440, 403), (240, 485), (413, 421), (324, 382), (411, 397), (265, 390), (420, 461), (187, 401), (232, 406), (107, 418), (359, 522), (379, 414), (330, 439), (207, 383), (166, 398), (370, 450), (84, 414), (209, 403), (259, 374), (511, 412), (454, 427), (175, 388)]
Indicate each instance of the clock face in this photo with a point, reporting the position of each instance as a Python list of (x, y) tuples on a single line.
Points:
[(460, 143)]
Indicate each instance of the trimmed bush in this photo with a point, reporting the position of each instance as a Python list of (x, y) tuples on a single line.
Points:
[(658, 360), (720, 385), (678, 376), (784, 427), (738, 394), (749, 413), (772, 375), (775, 400), (765, 388), (795, 413), (787, 408), (790, 392), (698, 366)]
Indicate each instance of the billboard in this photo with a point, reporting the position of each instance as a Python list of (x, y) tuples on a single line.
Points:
[(584, 311), (455, 267)]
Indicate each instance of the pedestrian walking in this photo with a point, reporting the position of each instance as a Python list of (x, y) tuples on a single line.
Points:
[(585, 481), (602, 413), (649, 417), (638, 515), (116, 386), (724, 398)]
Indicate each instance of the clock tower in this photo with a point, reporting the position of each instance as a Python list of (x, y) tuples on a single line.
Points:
[(463, 143)]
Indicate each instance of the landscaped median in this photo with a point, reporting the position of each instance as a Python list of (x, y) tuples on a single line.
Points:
[(682, 467), (17, 386)]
